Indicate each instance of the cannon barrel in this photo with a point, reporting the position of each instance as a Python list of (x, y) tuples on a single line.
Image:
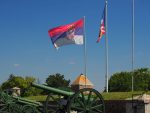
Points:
[(52, 90), (9, 98), (26, 101)]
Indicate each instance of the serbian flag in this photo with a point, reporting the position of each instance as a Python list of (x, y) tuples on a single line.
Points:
[(102, 27), (67, 34)]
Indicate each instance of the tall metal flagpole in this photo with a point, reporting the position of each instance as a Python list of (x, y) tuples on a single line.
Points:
[(132, 44), (85, 53), (106, 44)]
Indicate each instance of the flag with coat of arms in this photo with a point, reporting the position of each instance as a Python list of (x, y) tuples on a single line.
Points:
[(67, 34)]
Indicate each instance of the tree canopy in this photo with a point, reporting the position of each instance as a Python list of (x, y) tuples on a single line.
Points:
[(23, 83), (123, 81), (57, 80)]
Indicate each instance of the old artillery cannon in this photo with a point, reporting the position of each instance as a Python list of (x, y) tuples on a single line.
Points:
[(86, 100), (58, 101), (13, 104)]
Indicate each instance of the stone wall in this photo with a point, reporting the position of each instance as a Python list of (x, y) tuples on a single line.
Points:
[(115, 106), (126, 106)]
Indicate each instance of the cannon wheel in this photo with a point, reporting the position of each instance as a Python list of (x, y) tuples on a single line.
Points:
[(3, 107), (5, 101), (86, 100), (14, 108), (28, 109), (53, 105)]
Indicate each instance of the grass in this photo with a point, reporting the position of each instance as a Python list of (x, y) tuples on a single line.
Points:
[(37, 98), (106, 96), (121, 95)]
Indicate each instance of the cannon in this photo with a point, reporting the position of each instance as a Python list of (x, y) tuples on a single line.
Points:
[(86, 100), (13, 104)]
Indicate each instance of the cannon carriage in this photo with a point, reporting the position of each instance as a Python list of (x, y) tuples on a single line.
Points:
[(13, 104), (85, 100)]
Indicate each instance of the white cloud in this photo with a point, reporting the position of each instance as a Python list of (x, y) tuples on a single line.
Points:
[(16, 65)]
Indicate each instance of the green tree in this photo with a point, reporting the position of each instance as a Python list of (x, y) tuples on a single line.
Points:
[(142, 79), (120, 82), (30, 91), (23, 83), (123, 81), (14, 81), (57, 80)]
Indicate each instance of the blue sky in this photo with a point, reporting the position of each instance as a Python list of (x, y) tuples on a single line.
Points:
[(26, 49)]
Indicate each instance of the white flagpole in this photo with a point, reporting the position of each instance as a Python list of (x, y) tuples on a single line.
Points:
[(106, 44), (132, 44), (85, 53)]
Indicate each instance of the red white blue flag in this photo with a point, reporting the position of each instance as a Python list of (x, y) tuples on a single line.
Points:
[(67, 34), (102, 27)]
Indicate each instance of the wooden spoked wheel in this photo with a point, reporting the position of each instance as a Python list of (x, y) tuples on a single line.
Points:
[(28, 109), (86, 100), (5, 100), (14, 108), (53, 104), (3, 107)]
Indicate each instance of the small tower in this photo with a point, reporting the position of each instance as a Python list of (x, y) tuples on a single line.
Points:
[(81, 82), (16, 91)]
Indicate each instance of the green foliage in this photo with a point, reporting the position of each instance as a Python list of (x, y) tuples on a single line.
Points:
[(31, 91), (57, 81), (142, 79), (122, 81), (14, 81), (23, 83)]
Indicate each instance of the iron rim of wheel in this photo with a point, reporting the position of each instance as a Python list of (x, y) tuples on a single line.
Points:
[(86, 100)]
